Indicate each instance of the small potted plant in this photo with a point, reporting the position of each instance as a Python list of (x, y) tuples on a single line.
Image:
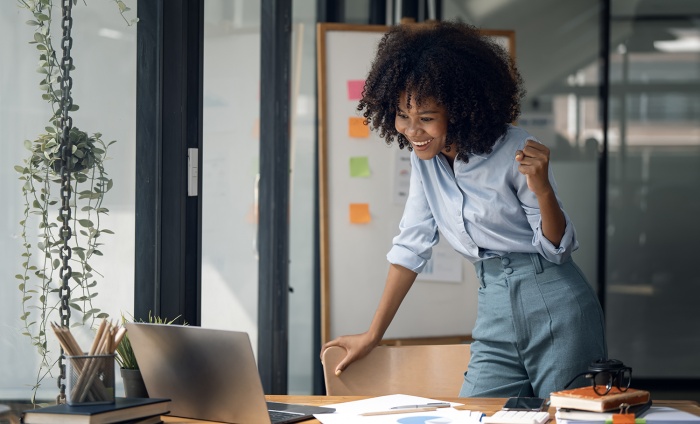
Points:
[(128, 366)]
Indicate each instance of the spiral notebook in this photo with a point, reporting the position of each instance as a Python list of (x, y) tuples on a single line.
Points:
[(208, 375)]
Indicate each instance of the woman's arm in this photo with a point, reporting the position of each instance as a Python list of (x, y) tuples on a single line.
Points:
[(534, 164), (399, 280)]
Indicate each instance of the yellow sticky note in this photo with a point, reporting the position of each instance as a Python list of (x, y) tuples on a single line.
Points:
[(359, 213), (359, 166), (357, 127)]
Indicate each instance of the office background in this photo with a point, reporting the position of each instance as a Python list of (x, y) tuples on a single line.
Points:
[(193, 74)]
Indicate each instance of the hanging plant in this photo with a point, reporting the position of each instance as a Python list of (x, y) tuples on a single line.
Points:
[(43, 248)]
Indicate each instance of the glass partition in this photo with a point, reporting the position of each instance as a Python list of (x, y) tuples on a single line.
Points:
[(652, 289)]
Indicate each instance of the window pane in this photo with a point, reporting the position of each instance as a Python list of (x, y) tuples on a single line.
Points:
[(231, 151), (653, 202), (104, 83)]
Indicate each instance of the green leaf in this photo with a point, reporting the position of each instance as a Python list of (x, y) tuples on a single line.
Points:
[(20, 169), (30, 22), (86, 223)]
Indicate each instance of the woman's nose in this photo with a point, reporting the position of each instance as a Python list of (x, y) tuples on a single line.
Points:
[(412, 129)]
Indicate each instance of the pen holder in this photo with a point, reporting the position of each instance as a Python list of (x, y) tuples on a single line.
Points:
[(89, 379)]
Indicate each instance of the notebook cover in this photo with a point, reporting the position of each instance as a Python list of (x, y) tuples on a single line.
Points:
[(121, 410), (585, 398)]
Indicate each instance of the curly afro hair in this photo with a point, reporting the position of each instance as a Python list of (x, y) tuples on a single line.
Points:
[(456, 66)]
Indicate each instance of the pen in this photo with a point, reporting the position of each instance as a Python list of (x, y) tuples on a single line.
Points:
[(399, 411), (425, 405)]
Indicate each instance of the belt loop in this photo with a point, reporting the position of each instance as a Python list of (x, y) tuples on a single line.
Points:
[(537, 262)]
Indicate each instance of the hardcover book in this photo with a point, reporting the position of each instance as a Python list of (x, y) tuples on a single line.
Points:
[(586, 399), (123, 409), (598, 417)]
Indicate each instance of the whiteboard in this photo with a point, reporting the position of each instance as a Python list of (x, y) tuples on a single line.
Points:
[(358, 171)]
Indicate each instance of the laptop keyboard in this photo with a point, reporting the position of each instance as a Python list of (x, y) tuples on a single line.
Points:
[(282, 416)]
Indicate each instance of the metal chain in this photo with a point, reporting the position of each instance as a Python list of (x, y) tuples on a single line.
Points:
[(66, 167)]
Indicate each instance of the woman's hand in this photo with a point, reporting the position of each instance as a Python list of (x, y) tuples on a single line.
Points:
[(533, 162), (357, 347)]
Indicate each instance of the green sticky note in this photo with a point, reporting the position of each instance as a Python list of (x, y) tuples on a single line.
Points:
[(359, 166)]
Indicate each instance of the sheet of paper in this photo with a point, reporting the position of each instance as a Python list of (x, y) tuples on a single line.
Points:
[(665, 414), (445, 265), (349, 412)]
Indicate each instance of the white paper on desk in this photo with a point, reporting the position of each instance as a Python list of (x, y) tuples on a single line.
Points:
[(665, 414), (349, 412), (655, 415)]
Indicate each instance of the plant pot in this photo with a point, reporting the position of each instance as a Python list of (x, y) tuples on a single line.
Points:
[(134, 386)]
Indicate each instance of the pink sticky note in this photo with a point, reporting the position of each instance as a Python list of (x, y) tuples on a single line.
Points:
[(355, 88)]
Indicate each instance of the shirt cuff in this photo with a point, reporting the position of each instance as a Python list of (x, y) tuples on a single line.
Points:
[(557, 255), (399, 255)]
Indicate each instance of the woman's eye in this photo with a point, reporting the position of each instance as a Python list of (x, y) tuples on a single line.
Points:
[(426, 119)]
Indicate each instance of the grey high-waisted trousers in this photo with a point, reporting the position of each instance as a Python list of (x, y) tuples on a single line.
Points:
[(538, 325)]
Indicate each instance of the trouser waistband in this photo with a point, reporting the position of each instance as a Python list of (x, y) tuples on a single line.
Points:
[(512, 264)]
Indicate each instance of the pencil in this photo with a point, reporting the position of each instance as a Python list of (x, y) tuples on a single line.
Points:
[(399, 411)]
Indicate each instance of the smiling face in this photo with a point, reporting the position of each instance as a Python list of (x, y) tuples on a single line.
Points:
[(424, 126)]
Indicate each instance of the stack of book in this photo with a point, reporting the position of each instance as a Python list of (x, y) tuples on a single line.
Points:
[(122, 411), (584, 406)]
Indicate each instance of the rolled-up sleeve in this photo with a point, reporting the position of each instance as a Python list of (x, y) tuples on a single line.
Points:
[(412, 247), (545, 247)]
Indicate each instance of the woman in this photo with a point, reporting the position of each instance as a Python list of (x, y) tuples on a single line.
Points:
[(449, 94)]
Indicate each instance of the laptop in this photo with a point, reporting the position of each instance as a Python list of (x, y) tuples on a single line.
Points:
[(208, 375)]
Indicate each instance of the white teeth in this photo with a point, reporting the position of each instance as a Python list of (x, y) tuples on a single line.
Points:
[(423, 143)]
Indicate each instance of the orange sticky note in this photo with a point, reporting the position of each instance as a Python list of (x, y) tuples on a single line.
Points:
[(357, 127), (359, 213), (355, 88)]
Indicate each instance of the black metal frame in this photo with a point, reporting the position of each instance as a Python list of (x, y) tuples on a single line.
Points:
[(168, 122), (273, 208)]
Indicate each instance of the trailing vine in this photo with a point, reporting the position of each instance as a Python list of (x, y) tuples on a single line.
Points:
[(41, 222)]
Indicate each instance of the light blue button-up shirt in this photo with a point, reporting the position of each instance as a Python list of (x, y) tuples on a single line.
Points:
[(483, 208)]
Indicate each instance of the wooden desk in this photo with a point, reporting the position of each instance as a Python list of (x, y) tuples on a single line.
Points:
[(485, 405)]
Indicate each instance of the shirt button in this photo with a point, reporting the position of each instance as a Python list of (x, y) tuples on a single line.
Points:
[(505, 261), (508, 270)]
